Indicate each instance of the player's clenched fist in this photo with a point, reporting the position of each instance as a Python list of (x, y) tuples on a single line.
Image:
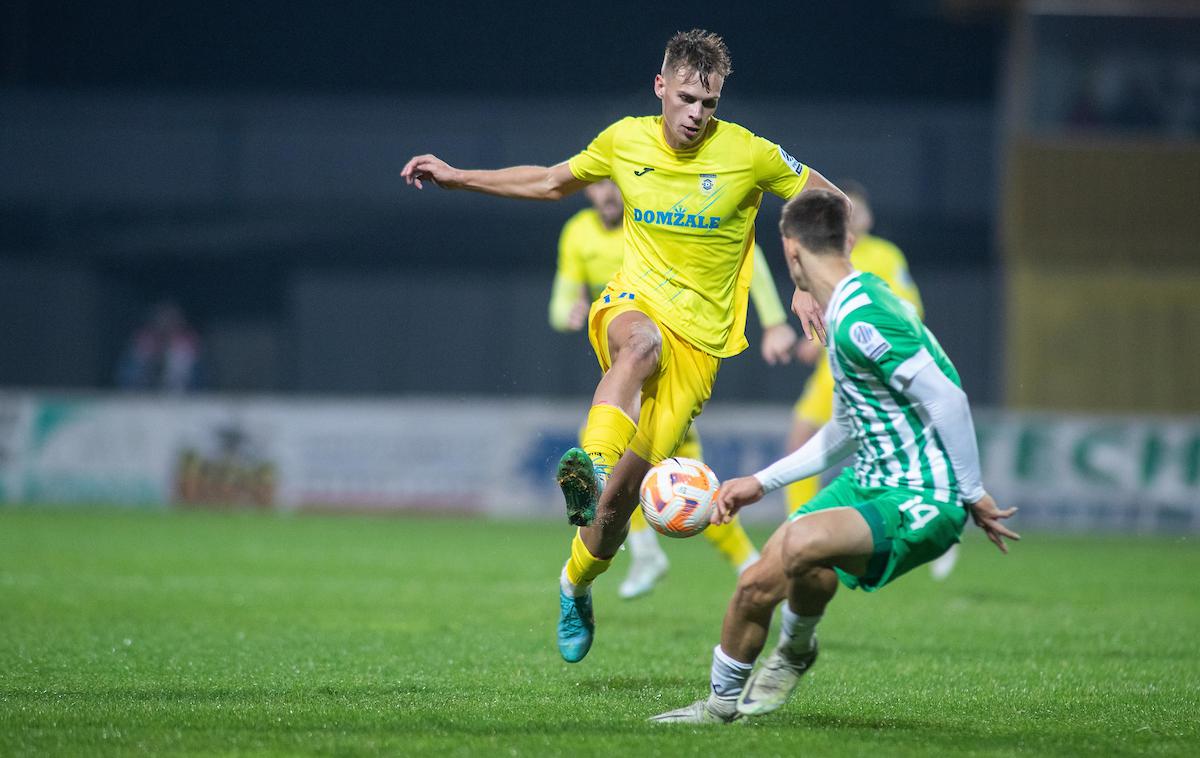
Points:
[(430, 168), (733, 495)]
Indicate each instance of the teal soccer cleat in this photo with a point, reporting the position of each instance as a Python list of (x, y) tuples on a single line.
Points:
[(576, 626), (581, 482)]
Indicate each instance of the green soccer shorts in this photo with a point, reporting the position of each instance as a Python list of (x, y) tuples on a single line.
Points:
[(909, 527)]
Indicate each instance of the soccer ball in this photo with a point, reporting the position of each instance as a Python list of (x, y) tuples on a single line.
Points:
[(677, 496)]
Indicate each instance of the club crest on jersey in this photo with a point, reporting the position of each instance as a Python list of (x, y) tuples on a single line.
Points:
[(796, 165), (869, 340), (708, 183)]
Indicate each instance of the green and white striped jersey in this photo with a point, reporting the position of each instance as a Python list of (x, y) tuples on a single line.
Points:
[(877, 344)]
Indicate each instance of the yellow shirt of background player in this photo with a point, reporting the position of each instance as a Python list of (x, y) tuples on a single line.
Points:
[(877, 256), (873, 255), (590, 254), (689, 221)]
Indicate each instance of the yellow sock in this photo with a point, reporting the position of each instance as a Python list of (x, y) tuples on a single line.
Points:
[(732, 542), (637, 522), (799, 493), (583, 567), (607, 433)]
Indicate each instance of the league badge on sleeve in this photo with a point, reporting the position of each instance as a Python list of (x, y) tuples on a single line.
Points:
[(869, 340), (796, 165)]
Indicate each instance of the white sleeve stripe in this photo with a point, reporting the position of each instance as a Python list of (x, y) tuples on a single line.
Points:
[(849, 290), (905, 372), (948, 410), (853, 304)]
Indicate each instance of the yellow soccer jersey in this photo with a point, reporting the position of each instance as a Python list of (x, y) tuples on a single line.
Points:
[(877, 256), (588, 252), (689, 220)]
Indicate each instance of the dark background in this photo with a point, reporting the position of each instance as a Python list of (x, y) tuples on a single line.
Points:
[(888, 48), (243, 160)]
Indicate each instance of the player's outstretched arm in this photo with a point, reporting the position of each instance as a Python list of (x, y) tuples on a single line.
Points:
[(947, 407), (987, 516), (569, 305), (733, 496), (830, 444), (523, 182), (818, 182)]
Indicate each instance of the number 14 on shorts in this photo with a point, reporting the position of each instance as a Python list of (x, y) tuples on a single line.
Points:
[(920, 513)]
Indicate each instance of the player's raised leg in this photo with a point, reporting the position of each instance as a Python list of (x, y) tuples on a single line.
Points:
[(600, 493), (592, 552), (632, 346)]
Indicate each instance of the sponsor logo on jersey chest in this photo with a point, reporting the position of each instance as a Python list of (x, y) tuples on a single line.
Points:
[(675, 218)]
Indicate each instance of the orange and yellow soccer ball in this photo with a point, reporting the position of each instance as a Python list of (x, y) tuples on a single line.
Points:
[(677, 496)]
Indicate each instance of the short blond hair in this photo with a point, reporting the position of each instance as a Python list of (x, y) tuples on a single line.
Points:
[(700, 51)]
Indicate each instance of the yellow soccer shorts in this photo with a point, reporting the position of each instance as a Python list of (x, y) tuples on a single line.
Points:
[(674, 395), (815, 405)]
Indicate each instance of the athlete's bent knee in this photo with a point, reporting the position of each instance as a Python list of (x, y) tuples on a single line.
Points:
[(758, 590), (641, 351), (802, 550)]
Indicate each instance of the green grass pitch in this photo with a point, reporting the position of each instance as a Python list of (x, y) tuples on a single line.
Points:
[(199, 633)]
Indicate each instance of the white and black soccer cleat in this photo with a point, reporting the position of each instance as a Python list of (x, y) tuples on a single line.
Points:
[(712, 710), (774, 682)]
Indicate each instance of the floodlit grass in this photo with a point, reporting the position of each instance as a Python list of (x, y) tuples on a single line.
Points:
[(125, 632)]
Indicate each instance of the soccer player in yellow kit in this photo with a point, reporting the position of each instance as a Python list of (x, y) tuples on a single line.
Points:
[(590, 250), (692, 186), (814, 409)]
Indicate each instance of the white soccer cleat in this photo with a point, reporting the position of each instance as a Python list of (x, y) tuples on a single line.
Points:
[(944, 564), (712, 710), (771, 686), (644, 573)]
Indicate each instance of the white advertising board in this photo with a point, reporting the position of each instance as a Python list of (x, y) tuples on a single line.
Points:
[(496, 457)]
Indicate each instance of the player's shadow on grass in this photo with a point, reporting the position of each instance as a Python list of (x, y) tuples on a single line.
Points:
[(987, 597)]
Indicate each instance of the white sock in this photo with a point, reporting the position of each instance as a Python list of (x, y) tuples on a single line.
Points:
[(728, 676), (643, 544), (798, 631), (568, 587), (750, 561)]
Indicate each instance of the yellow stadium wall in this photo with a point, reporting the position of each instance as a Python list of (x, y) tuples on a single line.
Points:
[(1102, 245)]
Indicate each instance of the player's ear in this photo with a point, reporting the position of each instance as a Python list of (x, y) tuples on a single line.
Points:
[(660, 86), (851, 241)]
